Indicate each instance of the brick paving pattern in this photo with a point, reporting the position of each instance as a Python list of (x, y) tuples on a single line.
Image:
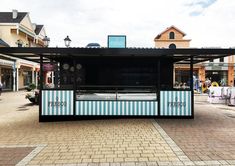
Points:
[(120, 142), (210, 136), (94, 141), (82, 141), (12, 156)]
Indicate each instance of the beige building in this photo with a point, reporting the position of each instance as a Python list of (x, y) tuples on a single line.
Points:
[(17, 30), (217, 70), (172, 37)]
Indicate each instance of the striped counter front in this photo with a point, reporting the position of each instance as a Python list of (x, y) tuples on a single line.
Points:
[(122, 108), (57, 102), (175, 103)]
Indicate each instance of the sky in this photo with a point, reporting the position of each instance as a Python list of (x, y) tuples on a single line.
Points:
[(209, 23)]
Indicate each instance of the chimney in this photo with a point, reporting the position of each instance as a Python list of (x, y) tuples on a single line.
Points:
[(14, 14), (34, 26)]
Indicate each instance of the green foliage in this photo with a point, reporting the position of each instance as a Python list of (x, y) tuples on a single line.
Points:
[(31, 86)]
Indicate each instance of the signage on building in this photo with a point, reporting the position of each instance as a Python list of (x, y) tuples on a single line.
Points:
[(116, 41), (216, 67), (57, 103), (48, 67), (6, 63), (176, 103)]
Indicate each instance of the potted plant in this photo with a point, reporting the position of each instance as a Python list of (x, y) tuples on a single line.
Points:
[(33, 97), (30, 87)]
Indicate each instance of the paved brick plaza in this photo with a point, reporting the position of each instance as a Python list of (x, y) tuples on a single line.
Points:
[(210, 136), (209, 139)]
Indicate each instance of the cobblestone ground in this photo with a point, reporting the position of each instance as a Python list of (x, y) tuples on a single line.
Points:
[(210, 136), (125, 142)]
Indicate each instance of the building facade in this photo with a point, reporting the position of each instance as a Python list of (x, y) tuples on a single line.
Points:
[(17, 30), (219, 70), (172, 37)]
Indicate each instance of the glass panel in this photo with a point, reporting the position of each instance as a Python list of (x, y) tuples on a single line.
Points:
[(116, 93), (27, 77), (182, 77)]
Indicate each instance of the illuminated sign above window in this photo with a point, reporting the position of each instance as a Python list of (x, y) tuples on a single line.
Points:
[(116, 41)]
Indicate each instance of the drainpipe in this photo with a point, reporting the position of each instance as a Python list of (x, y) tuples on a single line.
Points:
[(33, 81), (17, 66), (17, 79), (14, 77)]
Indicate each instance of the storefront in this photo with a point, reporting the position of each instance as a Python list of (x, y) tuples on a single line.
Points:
[(6, 74), (217, 73), (114, 82), (25, 76), (27, 73)]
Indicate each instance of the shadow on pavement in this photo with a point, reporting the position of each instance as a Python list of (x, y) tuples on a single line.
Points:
[(24, 107)]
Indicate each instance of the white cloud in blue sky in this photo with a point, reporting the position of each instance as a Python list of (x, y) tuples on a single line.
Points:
[(198, 6), (206, 22), (202, 3)]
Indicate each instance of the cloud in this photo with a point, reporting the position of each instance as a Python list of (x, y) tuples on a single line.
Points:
[(202, 3), (206, 22), (197, 7)]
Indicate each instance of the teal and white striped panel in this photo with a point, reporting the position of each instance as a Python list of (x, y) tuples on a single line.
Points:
[(138, 108), (57, 102), (175, 103)]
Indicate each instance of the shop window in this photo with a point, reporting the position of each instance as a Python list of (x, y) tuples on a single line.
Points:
[(27, 76), (7, 78), (171, 35)]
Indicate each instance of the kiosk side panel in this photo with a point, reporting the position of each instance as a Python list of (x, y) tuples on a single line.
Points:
[(175, 103), (57, 102)]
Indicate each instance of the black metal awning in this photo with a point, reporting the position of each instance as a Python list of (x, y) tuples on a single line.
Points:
[(180, 56)]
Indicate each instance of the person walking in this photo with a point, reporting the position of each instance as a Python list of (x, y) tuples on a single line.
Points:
[(0, 88), (200, 86)]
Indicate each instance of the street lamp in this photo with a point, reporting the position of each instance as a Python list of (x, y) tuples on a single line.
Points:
[(67, 41), (46, 41)]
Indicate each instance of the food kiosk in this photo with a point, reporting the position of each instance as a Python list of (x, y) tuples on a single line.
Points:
[(113, 82)]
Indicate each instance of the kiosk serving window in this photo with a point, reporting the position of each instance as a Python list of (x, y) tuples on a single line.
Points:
[(116, 79)]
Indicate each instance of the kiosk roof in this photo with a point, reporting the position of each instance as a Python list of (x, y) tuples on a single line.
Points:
[(181, 56)]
